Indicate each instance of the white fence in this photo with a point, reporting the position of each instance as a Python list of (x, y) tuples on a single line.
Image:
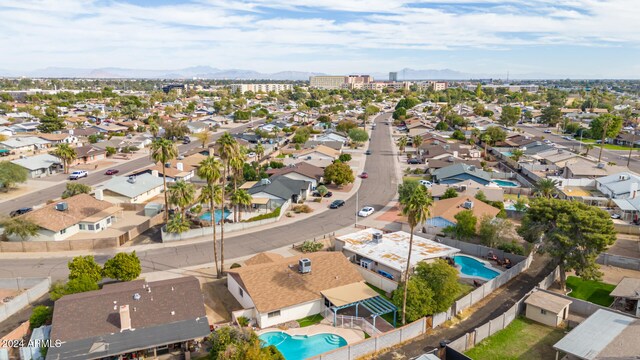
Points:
[(353, 322), (32, 289)]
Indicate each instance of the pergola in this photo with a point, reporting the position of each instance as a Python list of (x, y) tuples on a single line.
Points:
[(359, 294)]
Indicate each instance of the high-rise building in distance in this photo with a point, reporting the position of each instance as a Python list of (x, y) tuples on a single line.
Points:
[(393, 76)]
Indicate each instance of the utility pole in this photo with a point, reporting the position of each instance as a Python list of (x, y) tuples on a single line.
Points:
[(633, 140), (356, 208)]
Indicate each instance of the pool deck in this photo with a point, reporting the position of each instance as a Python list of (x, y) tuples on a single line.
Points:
[(350, 335)]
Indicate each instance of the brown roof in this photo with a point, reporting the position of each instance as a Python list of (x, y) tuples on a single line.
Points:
[(90, 314), (86, 150), (53, 137), (263, 258), (321, 149), (276, 285), (449, 208), (303, 168), (80, 207), (440, 163), (549, 302), (84, 132)]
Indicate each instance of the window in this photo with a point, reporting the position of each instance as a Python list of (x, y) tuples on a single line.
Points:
[(98, 226), (273, 314), (63, 231), (241, 292), (108, 220), (543, 311), (90, 227), (82, 226)]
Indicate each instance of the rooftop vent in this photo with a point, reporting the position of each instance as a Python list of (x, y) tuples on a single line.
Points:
[(304, 266), (265, 181), (600, 166), (377, 238), (468, 204), (62, 206), (136, 296), (472, 168), (132, 179)]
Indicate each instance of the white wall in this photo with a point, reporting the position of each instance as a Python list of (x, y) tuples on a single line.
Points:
[(234, 289), (291, 313), (550, 318)]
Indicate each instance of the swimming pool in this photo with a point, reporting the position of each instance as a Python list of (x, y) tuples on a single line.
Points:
[(207, 216), (299, 347), (507, 153), (472, 267), (505, 183)]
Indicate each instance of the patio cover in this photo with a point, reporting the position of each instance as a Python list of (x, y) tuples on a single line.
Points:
[(628, 288), (349, 294), (624, 205), (260, 201)]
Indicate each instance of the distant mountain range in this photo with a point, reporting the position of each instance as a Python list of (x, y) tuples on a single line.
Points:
[(207, 72)]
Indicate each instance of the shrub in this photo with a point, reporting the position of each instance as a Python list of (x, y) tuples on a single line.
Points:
[(235, 265), (311, 246), (512, 248), (243, 321), (41, 315), (273, 214), (302, 209)]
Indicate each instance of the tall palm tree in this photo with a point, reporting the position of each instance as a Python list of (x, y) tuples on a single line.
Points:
[(402, 143), (66, 153), (163, 150), (237, 167), (241, 199), (416, 209), (154, 129), (228, 147), (259, 149), (210, 170), (546, 188), (417, 141), (182, 194), (486, 138), (605, 124)]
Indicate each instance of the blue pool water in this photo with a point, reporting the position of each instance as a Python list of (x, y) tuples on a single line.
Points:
[(505, 183), (299, 347), (207, 216), (507, 153), (472, 267)]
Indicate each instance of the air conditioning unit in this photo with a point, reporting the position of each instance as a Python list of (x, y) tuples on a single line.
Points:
[(62, 206), (304, 266), (377, 238), (366, 263), (468, 204), (132, 179)]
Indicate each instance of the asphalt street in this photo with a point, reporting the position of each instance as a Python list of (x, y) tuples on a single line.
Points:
[(376, 191)]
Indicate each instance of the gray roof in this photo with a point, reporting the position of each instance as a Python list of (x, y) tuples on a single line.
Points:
[(593, 335), (280, 186), (121, 185), (42, 161), (627, 288), (337, 145), (616, 185), (457, 169), (19, 142)]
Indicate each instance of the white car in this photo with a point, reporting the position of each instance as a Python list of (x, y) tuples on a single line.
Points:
[(78, 174), (366, 211), (615, 216), (251, 154), (425, 183)]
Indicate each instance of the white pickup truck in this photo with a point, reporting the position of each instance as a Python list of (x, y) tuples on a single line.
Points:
[(78, 174)]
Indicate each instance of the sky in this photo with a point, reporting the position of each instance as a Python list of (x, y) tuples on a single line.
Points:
[(569, 38)]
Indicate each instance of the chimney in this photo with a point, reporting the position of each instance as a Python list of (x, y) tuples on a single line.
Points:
[(98, 194), (634, 190), (179, 166), (125, 318), (154, 173)]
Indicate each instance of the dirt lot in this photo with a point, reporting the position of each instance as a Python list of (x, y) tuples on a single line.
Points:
[(626, 245), (219, 303)]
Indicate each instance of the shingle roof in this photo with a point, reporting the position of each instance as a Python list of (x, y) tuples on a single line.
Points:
[(264, 258), (280, 186), (321, 149), (449, 208), (627, 288), (457, 169), (42, 161), (302, 168), (19, 142), (276, 285), (80, 207), (86, 150)]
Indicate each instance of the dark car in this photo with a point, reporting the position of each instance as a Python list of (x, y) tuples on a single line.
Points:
[(327, 195), (186, 141), (336, 204), (413, 161), (20, 211), (368, 152), (364, 175), (111, 172)]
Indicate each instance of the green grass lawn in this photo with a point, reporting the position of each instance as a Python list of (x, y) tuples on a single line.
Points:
[(606, 146), (310, 320), (414, 178), (464, 290), (523, 339), (592, 291)]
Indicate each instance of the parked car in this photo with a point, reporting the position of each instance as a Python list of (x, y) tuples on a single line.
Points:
[(78, 174), (327, 195), (20, 211), (186, 140), (336, 204), (366, 211), (111, 172), (364, 175), (413, 161), (615, 216), (251, 154), (425, 183), (368, 152), (547, 131)]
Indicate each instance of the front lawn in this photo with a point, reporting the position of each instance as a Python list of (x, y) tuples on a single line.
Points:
[(310, 320), (593, 291), (523, 339), (606, 146)]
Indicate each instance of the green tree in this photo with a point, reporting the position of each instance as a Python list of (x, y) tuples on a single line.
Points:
[(344, 158), (546, 188), (402, 143), (123, 266), (259, 149), (346, 125), (406, 189), (605, 126), (496, 134), (486, 139), (74, 188), (85, 266), (182, 194), (442, 279), (399, 114), (21, 227), (154, 129), (510, 115), (417, 141), (204, 137), (587, 147), (241, 115), (242, 199), (442, 126), (358, 136), (449, 193), (12, 174), (416, 209), (551, 115), (339, 173), (458, 135), (494, 231), (465, 227), (520, 205), (301, 135), (178, 224), (573, 233), (163, 151), (41, 315), (517, 154), (322, 190), (233, 343), (74, 286), (50, 122), (66, 153), (418, 301)]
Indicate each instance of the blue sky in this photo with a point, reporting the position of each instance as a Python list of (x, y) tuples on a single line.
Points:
[(568, 38)]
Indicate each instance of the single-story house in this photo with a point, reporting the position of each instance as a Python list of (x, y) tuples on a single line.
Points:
[(546, 308), (443, 212), (581, 168), (336, 145), (109, 128), (627, 294), (6, 131), (29, 126), (435, 164), (626, 139), (469, 189), (176, 173), (196, 127), (62, 219), (377, 254), (88, 153), (300, 171), (603, 335), (130, 189), (619, 186), (332, 136), (40, 165), (280, 189), (127, 320), (461, 172), (320, 152), (62, 138), (25, 143)]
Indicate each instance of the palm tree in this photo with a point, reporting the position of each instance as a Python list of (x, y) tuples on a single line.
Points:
[(182, 194), (210, 170), (546, 188), (587, 148), (605, 124), (19, 226), (259, 149), (517, 154), (416, 209), (162, 151), (66, 153), (417, 141), (228, 149), (237, 167), (486, 138), (241, 199), (402, 143), (178, 224)]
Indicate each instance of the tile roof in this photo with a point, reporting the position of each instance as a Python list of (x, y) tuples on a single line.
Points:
[(302, 168), (81, 206), (449, 208), (264, 258), (276, 285), (321, 149)]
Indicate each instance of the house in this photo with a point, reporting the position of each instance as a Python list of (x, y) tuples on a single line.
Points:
[(62, 138), (556, 156), (25, 144), (626, 139), (31, 126), (88, 153), (300, 171), (469, 189), (109, 128), (547, 308), (378, 254), (332, 136), (127, 320), (336, 145), (603, 335), (627, 295), (6, 131), (280, 189), (196, 127), (320, 152), (40, 165), (435, 164), (443, 212), (280, 290), (460, 172), (58, 221), (581, 168), (134, 189), (619, 186), (172, 173)]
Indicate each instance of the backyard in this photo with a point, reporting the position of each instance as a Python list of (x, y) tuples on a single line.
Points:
[(523, 339), (593, 291)]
